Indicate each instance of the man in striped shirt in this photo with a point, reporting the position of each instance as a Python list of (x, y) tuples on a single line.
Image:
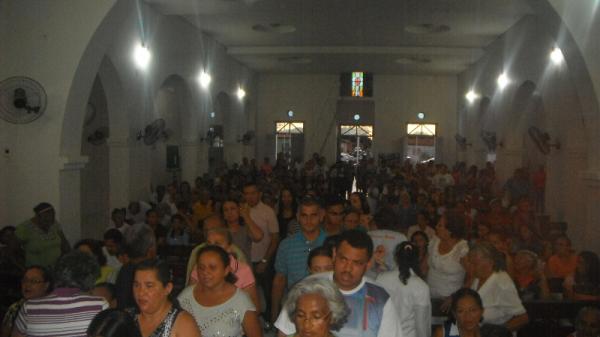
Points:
[(291, 261), (68, 310)]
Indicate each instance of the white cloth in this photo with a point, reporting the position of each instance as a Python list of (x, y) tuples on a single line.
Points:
[(446, 274), (389, 240), (265, 218), (411, 300), (111, 260), (390, 325), (500, 298), (224, 319)]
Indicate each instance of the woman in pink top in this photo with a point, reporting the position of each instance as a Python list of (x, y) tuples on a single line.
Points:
[(245, 278)]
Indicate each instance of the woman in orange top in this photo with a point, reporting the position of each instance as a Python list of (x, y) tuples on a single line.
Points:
[(562, 264)]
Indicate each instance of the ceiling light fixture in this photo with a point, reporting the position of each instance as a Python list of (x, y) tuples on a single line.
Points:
[(290, 113), (141, 56), (357, 117), (241, 93), (421, 115), (471, 96), (503, 81), (204, 79), (557, 56)]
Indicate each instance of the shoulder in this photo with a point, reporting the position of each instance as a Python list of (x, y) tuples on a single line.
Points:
[(185, 324), (186, 294)]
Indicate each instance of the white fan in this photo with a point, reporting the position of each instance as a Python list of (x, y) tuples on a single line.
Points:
[(153, 132), (22, 100)]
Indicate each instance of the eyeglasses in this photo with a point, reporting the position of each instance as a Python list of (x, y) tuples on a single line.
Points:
[(31, 281)]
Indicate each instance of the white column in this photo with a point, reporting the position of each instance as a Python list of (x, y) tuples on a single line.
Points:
[(70, 197)]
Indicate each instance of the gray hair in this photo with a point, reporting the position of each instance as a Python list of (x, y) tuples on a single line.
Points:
[(533, 257), (488, 251), (76, 270), (325, 288), (139, 240)]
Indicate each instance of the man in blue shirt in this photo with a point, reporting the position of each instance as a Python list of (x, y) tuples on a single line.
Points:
[(292, 254)]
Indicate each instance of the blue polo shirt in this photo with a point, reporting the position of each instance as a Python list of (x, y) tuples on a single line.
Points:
[(292, 256)]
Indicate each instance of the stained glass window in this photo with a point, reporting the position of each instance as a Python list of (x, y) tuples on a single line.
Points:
[(358, 81)]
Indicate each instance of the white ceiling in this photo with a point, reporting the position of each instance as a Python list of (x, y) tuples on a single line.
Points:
[(333, 36)]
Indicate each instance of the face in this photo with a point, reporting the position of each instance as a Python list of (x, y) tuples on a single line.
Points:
[(310, 217), (320, 264), (251, 195), (286, 197), (33, 284), (419, 241), (46, 219), (152, 218), (562, 246), (468, 313), (118, 217), (149, 293), (351, 221), (313, 316), (523, 261), (497, 242), (440, 229), (350, 264), (355, 202), (218, 239), (335, 214), (482, 230), (589, 326), (231, 211), (481, 265), (211, 270)]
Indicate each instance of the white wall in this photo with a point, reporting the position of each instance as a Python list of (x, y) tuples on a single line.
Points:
[(46, 156), (523, 53), (313, 99)]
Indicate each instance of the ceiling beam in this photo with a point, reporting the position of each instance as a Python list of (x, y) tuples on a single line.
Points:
[(474, 53)]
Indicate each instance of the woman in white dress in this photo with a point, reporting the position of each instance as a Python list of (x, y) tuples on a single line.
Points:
[(217, 305), (446, 252), (409, 293)]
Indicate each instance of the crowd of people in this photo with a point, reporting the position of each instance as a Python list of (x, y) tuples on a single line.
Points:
[(308, 250)]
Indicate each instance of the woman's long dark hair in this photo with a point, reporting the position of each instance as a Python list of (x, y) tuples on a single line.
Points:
[(407, 258), (280, 202)]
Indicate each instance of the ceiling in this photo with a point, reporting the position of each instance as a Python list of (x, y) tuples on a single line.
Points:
[(333, 36)]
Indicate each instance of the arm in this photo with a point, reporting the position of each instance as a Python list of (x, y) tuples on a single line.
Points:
[(279, 282), (251, 291), (517, 322), (260, 268), (423, 320), (185, 326), (251, 325), (439, 332), (256, 234)]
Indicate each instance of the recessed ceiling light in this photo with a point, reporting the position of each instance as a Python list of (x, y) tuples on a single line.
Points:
[(241, 93), (503, 81), (557, 56), (357, 117), (274, 28), (212, 114), (290, 113), (427, 28), (471, 96), (421, 115), (204, 79), (141, 56)]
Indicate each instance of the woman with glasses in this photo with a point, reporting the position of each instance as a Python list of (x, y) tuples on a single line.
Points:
[(316, 307), (35, 283)]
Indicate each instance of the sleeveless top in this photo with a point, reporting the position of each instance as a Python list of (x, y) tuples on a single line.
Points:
[(165, 327)]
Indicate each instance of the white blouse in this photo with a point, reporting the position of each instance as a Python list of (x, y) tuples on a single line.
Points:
[(446, 274)]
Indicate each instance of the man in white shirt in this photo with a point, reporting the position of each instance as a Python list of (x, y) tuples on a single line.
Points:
[(262, 253), (372, 313)]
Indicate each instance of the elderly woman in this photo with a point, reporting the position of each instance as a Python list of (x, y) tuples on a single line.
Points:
[(316, 307), (497, 290), (68, 310), (529, 277), (36, 282), (156, 315)]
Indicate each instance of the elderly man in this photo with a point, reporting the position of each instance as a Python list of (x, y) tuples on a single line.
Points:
[(42, 237), (68, 310), (372, 312)]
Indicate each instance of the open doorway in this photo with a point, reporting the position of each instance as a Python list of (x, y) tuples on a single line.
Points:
[(289, 141), (355, 143), (420, 142)]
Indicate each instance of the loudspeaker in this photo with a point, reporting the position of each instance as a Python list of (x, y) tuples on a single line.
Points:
[(172, 157)]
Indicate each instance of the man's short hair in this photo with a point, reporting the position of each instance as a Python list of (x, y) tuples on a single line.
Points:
[(356, 239), (113, 234), (43, 207)]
